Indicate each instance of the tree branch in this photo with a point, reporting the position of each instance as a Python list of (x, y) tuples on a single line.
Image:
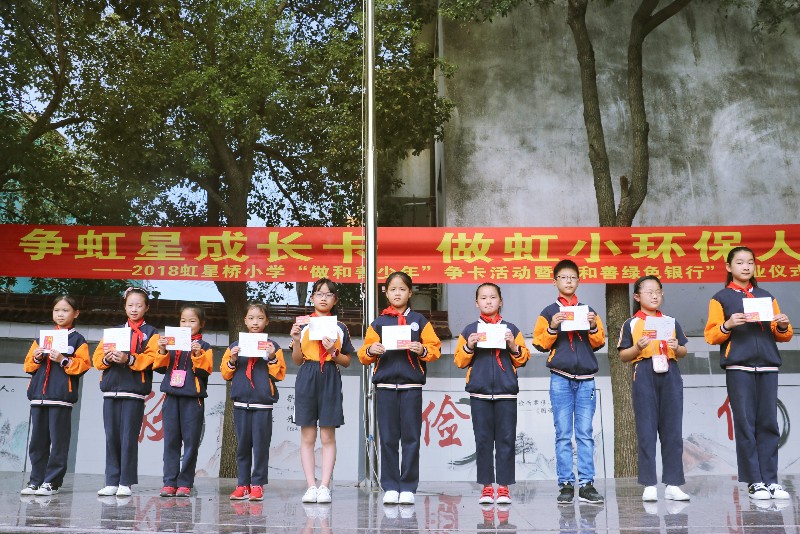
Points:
[(663, 15), (274, 175)]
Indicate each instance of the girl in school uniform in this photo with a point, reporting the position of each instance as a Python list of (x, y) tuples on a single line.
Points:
[(751, 359), (127, 380), (399, 375), (52, 390), (253, 392), (492, 386), (657, 392), (318, 390), (185, 386)]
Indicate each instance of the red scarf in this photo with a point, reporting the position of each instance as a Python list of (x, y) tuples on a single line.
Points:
[(137, 336), (401, 320), (747, 293), (195, 337), (321, 350), (662, 345), (494, 320), (573, 301)]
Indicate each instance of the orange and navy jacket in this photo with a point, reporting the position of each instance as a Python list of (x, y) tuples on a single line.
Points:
[(573, 358), (631, 332), (197, 368), (750, 346), (133, 379), (52, 384), (491, 373), (310, 348), (400, 369), (260, 393)]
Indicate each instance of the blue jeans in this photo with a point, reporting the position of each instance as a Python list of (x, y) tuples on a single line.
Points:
[(573, 405)]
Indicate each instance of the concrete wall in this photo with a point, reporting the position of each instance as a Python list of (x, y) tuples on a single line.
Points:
[(724, 115)]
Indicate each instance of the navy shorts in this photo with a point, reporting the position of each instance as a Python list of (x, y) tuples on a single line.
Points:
[(318, 395)]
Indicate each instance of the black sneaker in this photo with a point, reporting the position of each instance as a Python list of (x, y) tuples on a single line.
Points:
[(566, 493), (587, 493)]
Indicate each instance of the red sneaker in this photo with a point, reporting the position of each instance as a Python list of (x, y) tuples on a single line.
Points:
[(168, 491), (183, 491), (503, 496), (487, 495), (256, 493), (240, 493)]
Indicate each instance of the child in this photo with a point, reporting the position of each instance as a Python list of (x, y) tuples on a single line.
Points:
[(127, 380), (749, 354), (493, 387), (253, 392), (572, 366), (398, 377), (657, 392), (52, 390), (318, 390), (185, 383)]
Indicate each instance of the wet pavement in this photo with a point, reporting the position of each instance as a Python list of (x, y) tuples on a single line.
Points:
[(719, 504)]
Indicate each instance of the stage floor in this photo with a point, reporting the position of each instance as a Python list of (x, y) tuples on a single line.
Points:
[(719, 504)]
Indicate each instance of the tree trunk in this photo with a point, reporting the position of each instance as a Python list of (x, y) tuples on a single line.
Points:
[(235, 295)]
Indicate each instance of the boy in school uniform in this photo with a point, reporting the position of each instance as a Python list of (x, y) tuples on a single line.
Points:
[(572, 365)]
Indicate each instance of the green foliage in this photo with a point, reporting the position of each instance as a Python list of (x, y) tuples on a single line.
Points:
[(482, 10)]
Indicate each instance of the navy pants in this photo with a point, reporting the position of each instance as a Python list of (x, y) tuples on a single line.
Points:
[(399, 425), (122, 418), (254, 434), (754, 405), (182, 418), (658, 410), (494, 423), (51, 430)]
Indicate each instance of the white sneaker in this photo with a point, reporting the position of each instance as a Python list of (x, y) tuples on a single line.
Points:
[(108, 490), (124, 491), (323, 495), (650, 494), (777, 492), (47, 489), (406, 497), (391, 497), (758, 492), (310, 495), (30, 489), (674, 493)]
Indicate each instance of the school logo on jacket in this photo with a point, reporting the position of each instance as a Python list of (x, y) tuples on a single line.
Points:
[(414, 326)]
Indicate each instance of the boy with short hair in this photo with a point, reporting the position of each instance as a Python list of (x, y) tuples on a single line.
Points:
[(572, 364)]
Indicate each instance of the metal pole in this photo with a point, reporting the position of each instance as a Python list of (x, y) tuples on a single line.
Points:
[(371, 304)]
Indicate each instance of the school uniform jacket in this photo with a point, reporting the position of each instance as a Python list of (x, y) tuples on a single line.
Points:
[(262, 393), (401, 369), (491, 375), (55, 384), (197, 368), (631, 332), (574, 358), (750, 346), (133, 379), (310, 348)]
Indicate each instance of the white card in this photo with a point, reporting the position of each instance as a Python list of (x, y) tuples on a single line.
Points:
[(253, 345), (659, 328), (396, 337), (324, 326), (54, 339), (758, 309), (178, 337), (579, 320), (495, 335), (117, 339)]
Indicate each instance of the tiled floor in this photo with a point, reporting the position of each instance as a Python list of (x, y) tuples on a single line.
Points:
[(719, 504)]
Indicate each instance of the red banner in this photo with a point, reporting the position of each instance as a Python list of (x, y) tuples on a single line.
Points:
[(428, 255)]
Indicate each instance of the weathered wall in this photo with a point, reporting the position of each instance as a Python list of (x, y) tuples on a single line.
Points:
[(723, 109)]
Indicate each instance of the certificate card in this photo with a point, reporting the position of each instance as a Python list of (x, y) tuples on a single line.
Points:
[(396, 337), (758, 309), (117, 339), (495, 335), (253, 345), (580, 318), (659, 328), (54, 339), (325, 326), (178, 337)]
